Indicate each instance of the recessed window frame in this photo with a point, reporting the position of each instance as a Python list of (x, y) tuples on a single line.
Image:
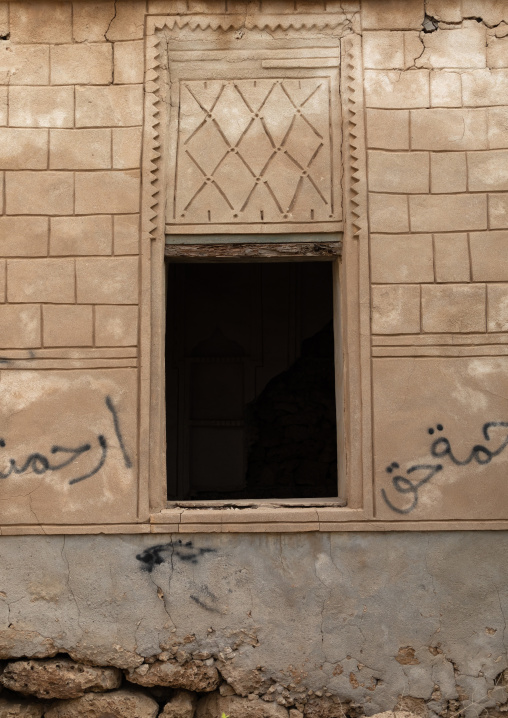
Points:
[(274, 248), (355, 310)]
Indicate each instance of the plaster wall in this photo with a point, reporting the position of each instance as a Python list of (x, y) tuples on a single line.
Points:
[(427, 81), (423, 124), (413, 619)]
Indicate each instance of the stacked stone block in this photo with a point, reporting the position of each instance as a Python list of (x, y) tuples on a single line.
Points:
[(71, 111), (437, 134), (71, 114)]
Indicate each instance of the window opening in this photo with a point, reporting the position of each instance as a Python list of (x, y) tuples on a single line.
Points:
[(250, 381)]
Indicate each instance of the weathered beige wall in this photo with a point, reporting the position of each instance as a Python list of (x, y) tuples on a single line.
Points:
[(71, 119), (437, 135), (70, 145)]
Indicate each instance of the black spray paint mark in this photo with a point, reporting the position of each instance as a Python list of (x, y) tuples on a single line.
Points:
[(164, 552), (441, 449), (153, 556), (40, 464), (116, 424), (210, 597), (187, 552)]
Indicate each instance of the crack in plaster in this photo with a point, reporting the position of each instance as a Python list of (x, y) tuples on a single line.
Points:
[(110, 22), (322, 610), (68, 584), (503, 640), (455, 24), (9, 604), (166, 605)]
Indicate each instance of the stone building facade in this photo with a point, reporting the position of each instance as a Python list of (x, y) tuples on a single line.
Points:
[(384, 128)]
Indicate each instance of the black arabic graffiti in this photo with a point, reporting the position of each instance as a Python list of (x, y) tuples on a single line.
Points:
[(441, 449), (405, 486), (477, 452), (40, 464)]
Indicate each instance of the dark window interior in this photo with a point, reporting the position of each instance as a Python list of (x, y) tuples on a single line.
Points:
[(250, 388)]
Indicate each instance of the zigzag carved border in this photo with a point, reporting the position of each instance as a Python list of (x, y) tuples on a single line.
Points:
[(252, 22), (354, 155), (153, 192)]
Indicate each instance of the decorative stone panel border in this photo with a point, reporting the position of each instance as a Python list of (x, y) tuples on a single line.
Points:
[(334, 32)]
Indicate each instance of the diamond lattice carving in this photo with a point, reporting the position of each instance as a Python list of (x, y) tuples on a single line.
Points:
[(253, 151)]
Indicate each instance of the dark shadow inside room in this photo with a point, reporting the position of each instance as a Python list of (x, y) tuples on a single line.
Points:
[(250, 381)]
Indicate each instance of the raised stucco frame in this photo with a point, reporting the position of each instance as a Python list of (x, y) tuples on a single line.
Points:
[(354, 282)]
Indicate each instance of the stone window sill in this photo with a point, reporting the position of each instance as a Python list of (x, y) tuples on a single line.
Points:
[(248, 517)]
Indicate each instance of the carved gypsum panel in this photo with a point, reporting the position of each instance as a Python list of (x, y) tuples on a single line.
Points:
[(254, 150), (254, 137)]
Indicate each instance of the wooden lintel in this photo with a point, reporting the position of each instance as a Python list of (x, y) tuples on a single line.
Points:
[(296, 250)]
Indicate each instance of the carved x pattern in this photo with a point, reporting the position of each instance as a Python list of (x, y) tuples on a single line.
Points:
[(303, 170)]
